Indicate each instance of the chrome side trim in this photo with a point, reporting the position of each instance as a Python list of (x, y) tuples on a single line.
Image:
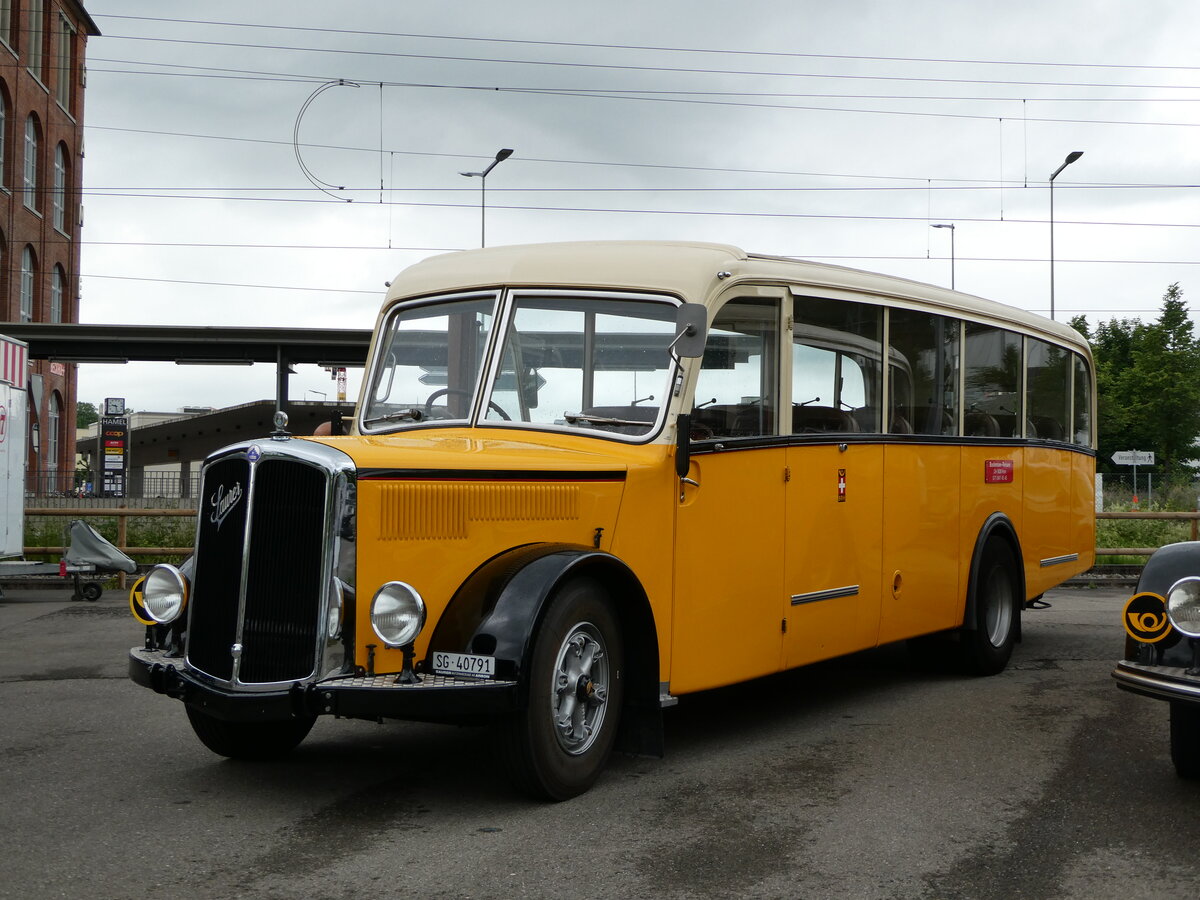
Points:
[(1161, 682), (850, 590), (1059, 560)]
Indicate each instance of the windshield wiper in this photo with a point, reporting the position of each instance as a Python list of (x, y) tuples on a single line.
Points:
[(573, 418), (412, 414)]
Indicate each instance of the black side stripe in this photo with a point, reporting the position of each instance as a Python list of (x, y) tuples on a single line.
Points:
[(488, 475)]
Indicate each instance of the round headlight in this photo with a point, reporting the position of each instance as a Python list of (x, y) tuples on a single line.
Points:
[(1183, 606), (164, 594), (397, 614)]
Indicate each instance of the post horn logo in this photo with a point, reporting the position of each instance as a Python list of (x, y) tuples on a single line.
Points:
[(1145, 618)]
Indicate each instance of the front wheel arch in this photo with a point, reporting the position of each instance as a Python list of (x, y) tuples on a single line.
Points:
[(499, 608)]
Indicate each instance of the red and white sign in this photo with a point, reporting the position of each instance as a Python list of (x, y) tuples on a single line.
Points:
[(841, 485), (14, 363), (997, 471)]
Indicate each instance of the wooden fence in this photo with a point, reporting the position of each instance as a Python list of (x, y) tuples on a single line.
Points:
[(123, 514), (1134, 514)]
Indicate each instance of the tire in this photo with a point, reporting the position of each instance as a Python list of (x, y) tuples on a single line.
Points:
[(1185, 739), (556, 747), (986, 648), (249, 740), (91, 591)]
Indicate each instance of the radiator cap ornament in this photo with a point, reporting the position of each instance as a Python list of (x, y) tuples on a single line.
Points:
[(280, 433)]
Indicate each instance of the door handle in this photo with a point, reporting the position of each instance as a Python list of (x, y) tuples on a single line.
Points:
[(685, 480)]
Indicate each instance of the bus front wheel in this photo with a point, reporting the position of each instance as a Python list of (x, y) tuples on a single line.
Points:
[(987, 646), (249, 740), (557, 746)]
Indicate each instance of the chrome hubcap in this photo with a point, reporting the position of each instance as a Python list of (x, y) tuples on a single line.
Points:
[(580, 692), (999, 596)]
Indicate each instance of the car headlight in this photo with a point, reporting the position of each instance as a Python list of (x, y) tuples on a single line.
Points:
[(164, 594), (1183, 606), (397, 614)]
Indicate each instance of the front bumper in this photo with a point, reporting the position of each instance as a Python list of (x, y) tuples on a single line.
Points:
[(437, 698), (1160, 682)]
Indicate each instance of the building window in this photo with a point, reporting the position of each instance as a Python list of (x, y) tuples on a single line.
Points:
[(63, 42), (6, 21), (57, 280), (29, 180), (33, 54), (59, 198), (28, 283), (53, 432)]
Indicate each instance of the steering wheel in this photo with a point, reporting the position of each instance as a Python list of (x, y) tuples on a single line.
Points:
[(492, 404)]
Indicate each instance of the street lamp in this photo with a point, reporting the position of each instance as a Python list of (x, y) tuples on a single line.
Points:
[(482, 176), (951, 227), (1071, 157)]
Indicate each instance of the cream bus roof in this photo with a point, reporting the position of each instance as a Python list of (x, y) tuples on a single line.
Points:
[(690, 270)]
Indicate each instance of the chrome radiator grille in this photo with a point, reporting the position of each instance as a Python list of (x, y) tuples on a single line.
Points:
[(266, 532)]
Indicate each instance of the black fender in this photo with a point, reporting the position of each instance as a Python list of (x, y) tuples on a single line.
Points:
[(999, 526), (1166, 566), (498, 609)]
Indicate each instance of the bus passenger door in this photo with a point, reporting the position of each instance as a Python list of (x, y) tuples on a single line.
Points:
[(728, 569), (729, 534), (834, 488), (834, 522)]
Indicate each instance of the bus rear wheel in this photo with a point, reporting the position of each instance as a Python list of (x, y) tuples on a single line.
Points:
[(987, 643), (556, 747)]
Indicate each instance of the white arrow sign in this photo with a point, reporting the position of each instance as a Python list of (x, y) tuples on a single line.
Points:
[(1133, 457)]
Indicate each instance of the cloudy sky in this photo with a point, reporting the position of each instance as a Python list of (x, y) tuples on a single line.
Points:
[(831, 131)]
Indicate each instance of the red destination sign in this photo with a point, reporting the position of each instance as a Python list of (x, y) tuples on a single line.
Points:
[(997, 471)]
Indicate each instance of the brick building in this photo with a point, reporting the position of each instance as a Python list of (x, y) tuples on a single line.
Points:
[(42, 44)]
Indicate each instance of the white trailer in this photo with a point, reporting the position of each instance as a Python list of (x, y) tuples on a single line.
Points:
[(14, 369), (89, 553)]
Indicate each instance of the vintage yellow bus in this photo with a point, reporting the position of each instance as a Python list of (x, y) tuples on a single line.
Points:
[(585, 480)]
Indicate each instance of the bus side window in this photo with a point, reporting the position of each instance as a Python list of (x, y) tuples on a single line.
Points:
[(1048, 387), (737, 389), (837, 366), (992, 399), (930, 345), (1083, 402)]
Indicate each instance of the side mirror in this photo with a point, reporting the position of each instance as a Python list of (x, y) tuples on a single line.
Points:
[(691, 331)]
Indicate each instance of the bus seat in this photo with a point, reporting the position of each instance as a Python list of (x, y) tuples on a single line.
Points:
[(927, 418), (811, 419), (900, 425), (1047, 428), (980, 424), (867, 419), (753, 419), (1007, 425)]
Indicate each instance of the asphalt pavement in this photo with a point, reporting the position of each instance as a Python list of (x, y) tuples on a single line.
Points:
[(874, 776)]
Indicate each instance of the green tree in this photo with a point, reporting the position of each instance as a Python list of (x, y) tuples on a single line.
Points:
[(1148, 384), (85, 414)]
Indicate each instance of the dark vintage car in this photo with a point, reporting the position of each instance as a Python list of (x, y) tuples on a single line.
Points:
[(1162, 646)]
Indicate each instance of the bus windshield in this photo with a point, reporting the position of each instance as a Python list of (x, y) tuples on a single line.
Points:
[(431, 355), (587, 362)]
